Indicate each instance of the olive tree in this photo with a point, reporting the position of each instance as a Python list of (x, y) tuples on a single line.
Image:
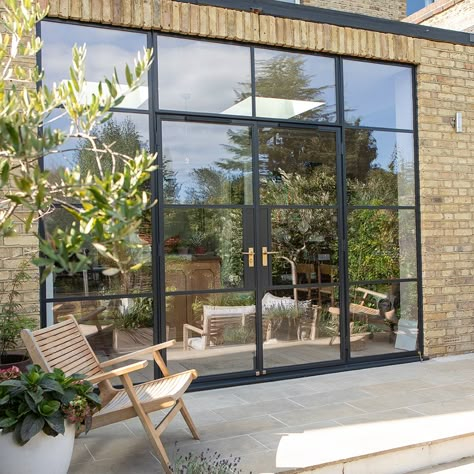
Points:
[(106, 202)]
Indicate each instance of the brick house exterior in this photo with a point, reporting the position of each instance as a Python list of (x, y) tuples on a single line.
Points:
[(391, 10), (450, 14), (445, 85)]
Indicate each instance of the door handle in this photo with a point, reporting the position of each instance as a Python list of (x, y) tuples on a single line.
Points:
[(251, 254), (265, 254)]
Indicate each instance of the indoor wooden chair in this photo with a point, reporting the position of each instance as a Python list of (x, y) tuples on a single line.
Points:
[(63, 346)]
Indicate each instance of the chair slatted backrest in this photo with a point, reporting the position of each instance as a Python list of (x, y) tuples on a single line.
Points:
[(217, 318), (62, 346)]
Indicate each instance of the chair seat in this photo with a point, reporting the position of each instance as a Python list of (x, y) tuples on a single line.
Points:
[(156, 392)]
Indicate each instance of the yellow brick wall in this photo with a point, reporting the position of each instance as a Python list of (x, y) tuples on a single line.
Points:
[(459, 16), (14, 250), (390, 9), (445, 77)]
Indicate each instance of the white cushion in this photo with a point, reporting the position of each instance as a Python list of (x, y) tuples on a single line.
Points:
[(228, 310), (270, 301)]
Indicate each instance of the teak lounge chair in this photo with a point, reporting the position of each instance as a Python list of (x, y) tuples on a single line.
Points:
[(63, 346)]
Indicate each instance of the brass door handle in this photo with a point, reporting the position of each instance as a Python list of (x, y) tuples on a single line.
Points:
[(265, 254), (251, 254)]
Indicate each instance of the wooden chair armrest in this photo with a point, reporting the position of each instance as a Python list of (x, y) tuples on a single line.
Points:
[(138, 354), (189, 327), (118, 372)]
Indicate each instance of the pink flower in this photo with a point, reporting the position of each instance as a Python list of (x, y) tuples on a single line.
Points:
[(10, 373)]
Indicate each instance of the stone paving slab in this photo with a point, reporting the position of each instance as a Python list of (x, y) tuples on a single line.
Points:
[(250, 421)]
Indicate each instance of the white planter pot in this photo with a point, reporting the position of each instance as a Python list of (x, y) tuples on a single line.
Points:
[(43, 454)]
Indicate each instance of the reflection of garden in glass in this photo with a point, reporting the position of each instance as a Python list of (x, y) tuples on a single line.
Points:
[(207, 163), (216, 331), (295, 86), (380, 168), (381, 244), (385, 313), (93, 281), (127, 133), (303, 237), (207, 244), (297, 166)]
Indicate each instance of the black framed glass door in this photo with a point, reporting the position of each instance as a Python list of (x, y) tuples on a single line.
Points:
[(208, 216), (300, 246), (251, 250)]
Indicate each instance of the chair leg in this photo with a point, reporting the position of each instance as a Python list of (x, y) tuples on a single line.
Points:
[(188, 420), (148, 426)]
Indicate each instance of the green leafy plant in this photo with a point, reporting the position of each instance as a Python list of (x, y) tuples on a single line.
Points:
[(37, 401), (12, 321), (205, 462), (138, 315)]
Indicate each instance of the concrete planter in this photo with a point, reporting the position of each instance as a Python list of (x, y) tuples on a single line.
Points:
[(43, 454)]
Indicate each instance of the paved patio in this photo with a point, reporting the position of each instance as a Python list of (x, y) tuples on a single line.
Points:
[(249, 421)]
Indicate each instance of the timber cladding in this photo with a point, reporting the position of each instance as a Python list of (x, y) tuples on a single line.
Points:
[(445, 85)]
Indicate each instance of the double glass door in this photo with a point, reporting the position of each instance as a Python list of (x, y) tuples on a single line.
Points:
[(251, 250)]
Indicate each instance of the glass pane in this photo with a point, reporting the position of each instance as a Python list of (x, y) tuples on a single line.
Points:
[(382, 244), (203, 249), (306, 244), (295, 86), (297, 166), (383, 319), (302, 332), (207, 163), (106, 49), (112, 327), (93, 282), (380, 168), (202, 76), (215, 332), (126, 133), (378, 95)]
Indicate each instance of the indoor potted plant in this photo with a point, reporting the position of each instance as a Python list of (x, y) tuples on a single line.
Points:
[(197, 241), (12, 321), (39, 415)]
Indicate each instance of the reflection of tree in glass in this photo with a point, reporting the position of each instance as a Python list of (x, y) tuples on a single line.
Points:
[(122, 137), (283, 76)]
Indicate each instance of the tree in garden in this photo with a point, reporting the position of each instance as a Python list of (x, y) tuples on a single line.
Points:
[(109, 201)]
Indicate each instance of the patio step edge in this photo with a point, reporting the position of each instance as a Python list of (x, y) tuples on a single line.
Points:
[(399, 460)]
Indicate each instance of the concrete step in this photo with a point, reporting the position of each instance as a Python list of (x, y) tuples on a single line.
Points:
[(463, 466), (386, 447)]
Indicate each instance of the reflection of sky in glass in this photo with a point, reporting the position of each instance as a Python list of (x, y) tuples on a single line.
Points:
[(319, 70), (389, 143), (378, 95), (66, 157), (191, 146), (201, 76), (106, 49)]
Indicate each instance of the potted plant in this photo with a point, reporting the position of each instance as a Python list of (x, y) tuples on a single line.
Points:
[(39, 415), (133, 325), (12, 321), (197, 242)]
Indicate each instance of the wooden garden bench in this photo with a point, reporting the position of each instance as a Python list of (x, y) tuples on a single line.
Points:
[(63, 346)]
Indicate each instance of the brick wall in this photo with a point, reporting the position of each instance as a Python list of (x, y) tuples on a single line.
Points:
[(391, 9), (450, 14), (16, 249), (445, 85)]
